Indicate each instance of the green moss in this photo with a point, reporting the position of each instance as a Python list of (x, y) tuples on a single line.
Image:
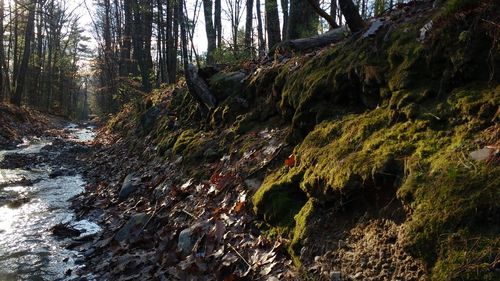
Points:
[(302, 220), (452, 7), (279, 199), (224, 85), (425, 154)]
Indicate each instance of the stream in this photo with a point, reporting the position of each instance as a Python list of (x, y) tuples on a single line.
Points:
[(33, 199)]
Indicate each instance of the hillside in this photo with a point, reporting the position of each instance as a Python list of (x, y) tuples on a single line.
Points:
[(375, 158)]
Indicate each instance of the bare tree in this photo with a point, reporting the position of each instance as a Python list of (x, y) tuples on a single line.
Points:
[(234, 13)]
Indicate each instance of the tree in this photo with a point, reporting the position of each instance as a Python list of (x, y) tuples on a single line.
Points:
[(260, 32), (23, 68), (284, 10), (249, 26), (142, 32), (218, 22), (303, 19), (330, 19), (2, 56), (351, 14), (210, 30), (197, 86), (272, 23)]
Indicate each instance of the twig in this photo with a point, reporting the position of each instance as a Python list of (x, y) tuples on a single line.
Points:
[(191, 215), (238, 253), (490, 22)]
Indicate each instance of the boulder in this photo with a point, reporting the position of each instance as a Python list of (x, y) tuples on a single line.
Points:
[(187, 237), (226, 84), (132, 228), (129, 186)]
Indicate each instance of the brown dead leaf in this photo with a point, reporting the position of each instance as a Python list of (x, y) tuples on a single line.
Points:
[(290, 161), (239, 207)]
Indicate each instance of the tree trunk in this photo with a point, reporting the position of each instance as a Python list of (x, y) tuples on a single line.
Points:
[(23, 68), (331, 21), (303, 44), (333, 13), (285, 11), (351, 14), (196, 85), (2, 57), (210, 30), (260, 33), (249, 27), (126, 46), (272, 23), (218, 22), (175, 42), (304, 21), (142, 40)]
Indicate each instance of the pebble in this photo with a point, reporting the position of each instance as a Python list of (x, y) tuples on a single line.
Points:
[(335, 276)]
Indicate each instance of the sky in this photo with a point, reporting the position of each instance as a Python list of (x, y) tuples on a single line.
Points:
[(200, 39)]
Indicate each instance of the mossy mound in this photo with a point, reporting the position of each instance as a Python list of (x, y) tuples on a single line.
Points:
[(393, 112)]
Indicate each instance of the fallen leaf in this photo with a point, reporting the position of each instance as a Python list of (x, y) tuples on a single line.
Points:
[(290, 161)]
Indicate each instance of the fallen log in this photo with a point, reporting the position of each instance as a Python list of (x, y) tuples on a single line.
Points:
[(303, 44), (199, 88)]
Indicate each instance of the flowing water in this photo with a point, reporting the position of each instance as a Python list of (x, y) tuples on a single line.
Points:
[(28, 250)]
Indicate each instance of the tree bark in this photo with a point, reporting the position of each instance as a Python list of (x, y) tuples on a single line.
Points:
[(218, 22), (249, 27), (285, 11), (331, 21), (304, 21), (126, 46), (333, 12), (23, 68), (351, 14), (272, 23), (210, 30), (196, 85), (260, 33), (2, 56), (303, 44)]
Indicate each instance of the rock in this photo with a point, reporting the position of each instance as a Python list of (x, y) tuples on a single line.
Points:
[(132, 227), (253, 183), (226, 84), (211, 154), (61, 172), (148, 119), (335, 276), (186, 239), (128, 187)]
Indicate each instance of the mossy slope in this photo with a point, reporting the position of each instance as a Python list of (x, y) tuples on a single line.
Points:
[(392, 111)]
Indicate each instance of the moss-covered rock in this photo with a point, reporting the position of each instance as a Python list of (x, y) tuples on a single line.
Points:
[(394, 112)]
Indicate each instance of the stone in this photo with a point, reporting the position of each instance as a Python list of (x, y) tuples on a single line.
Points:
[(226, 84), (186, 239), (129, 185), (335, 276), (148, 119), (132, 228)]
